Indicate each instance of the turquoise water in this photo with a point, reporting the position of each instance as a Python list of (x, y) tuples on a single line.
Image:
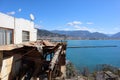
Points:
[(90, 57)]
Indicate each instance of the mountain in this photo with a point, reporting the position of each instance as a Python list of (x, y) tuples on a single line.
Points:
[(83, 34), (45, 34), (79, 34), (98, 35), (109, 35), (116, 36)]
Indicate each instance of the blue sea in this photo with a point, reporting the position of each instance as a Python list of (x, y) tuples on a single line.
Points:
[(90, 57)]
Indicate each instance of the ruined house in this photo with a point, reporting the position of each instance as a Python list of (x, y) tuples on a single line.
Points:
[(22, 57)]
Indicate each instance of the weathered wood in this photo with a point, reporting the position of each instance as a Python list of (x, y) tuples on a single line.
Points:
[(63, 64), (47, 43), (10, 47), (50, 75), (16, 65), (15, 46), (63, 70), (54, 59), (110, 74), (1, 58), (20, 60), (6, 68)]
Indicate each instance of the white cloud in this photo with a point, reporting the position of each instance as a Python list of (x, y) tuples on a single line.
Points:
[(66, 29), (74, 23), (19, 10), (14, 12), (11, 13), (90, 23), (77, 25)]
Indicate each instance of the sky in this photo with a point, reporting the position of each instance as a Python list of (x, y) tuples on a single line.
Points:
[(92, 15)]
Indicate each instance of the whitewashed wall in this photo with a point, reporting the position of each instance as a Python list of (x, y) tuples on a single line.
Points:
[(18, 24), (6, 21)]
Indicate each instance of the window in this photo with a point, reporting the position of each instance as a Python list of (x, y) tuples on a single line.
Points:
[(25, 36), (6, 36)]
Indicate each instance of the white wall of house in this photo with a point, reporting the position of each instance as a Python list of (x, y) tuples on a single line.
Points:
[(18, 25), (6, 21)]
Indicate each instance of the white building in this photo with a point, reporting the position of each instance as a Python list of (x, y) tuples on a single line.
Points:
[(16, 30)]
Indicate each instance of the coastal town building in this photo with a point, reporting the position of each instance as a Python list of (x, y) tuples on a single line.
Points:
[(16, 30)]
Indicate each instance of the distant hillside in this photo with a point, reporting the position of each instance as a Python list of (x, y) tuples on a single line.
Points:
[(117, 35), (47, 34), (98, 35), (79, 34), (73, 33), (83, 34)]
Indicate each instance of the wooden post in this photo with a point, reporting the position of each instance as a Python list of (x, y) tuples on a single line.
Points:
[(63, 62), (54, 59), (6, 68), (1, 58), (50, 75), (35, 78)]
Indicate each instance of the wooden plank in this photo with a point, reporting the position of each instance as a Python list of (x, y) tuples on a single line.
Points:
[(10, 47), (50, 75), (15, 46), (54, 59), (16, 65), (47, 43), (63, 70), (63, 64), (6, 68), (1, 58)]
